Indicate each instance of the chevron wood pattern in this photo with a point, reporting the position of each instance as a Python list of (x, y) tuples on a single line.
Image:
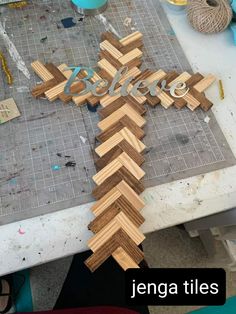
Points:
[(119, 175)]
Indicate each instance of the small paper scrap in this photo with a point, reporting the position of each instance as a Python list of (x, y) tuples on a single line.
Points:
[(207, 119), (8, 110)]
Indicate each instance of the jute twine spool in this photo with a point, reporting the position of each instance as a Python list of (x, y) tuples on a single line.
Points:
[(209, 16)]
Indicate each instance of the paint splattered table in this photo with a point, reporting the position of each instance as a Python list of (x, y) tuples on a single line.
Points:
[(52, 236)]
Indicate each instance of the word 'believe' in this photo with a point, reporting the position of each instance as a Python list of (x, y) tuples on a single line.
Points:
[(125, 89)]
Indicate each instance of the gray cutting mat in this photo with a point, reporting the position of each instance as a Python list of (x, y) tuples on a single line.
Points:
[(180, 143)]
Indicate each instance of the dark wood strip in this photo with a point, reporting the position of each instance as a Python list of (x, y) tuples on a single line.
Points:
[(129, 246), (136, 44), (106, 55), (135, 105), (102, 254), (39, 90), (112, 39), (206, 104), (58, 75), (108, 110)]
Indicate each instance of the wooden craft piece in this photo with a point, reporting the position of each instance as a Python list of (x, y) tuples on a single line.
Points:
[(123, 146), (122, 160), (8, 110), (125, 121), (41, 71), (122, 174), (117, 210), (116, 139)]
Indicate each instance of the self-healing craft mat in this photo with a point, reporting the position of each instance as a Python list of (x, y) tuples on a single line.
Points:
[(35, 147)]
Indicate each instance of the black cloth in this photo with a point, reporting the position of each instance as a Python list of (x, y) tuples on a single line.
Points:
[(104, 287)]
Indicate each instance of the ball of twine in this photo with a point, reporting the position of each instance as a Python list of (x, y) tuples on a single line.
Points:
[(209, 16)]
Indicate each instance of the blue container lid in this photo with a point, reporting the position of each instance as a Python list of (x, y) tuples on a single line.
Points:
[(89, 4)]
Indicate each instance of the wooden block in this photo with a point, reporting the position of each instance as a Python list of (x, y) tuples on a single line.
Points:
[(156, 76), (137, 106), (134, 72), (103, 74), (119, 239), (140, 99), (53, 93), (112, 39), (39, 90), (130, 195), (107, 171), (107, 111), (204, 102), (183, 77), (132, 140), (131, 38), (57, 74), (41, 71), (194, 79), (125, 110), (81, 100), (119, 222), (112, 181), (112, 211), (104, 148), (116, 139), (63, 68), (102, 254), (114, 62), (142, 76), (106, 201), (115, 53), (123, 146), (76, 88), (129, 246), (107, 66), (133, 54), (123, 122), (123, 259), (205, 83), (115, 165), (107, 100), (136, 44), (122, 189), (152, 100), (131, 166), (137, 62)]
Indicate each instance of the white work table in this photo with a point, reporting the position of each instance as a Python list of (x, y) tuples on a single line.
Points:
[(64, 233)]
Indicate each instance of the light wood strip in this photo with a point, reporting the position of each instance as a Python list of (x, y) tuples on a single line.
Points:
[(134, 72), (118, 114), (181, 78), (66, 73), (107, 66), (106, 201), (155, 76), (133, 232), (53, 93), (107, 171), (131, 166), (131, 38), (104, 235), (133, 54), (123, 259), (41, 71), (105, 147), (80, 100), (105, 45), (205, 83), (131, 196), (132, 140), (107, 100)]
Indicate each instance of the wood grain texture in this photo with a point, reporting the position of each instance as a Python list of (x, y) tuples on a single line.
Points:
[(122, 174), (125, 121), (123, 146), (41, 71), (205, 83)]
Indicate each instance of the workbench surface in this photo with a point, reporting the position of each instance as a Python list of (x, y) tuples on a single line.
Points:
[(64, 233)]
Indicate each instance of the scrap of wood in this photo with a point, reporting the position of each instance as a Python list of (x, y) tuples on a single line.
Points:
[(8, 110)]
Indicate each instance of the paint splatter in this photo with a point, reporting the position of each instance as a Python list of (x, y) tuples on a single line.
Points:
[(70, 164), (21, 231), (68, 22), (56, 167), (42, 40)]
